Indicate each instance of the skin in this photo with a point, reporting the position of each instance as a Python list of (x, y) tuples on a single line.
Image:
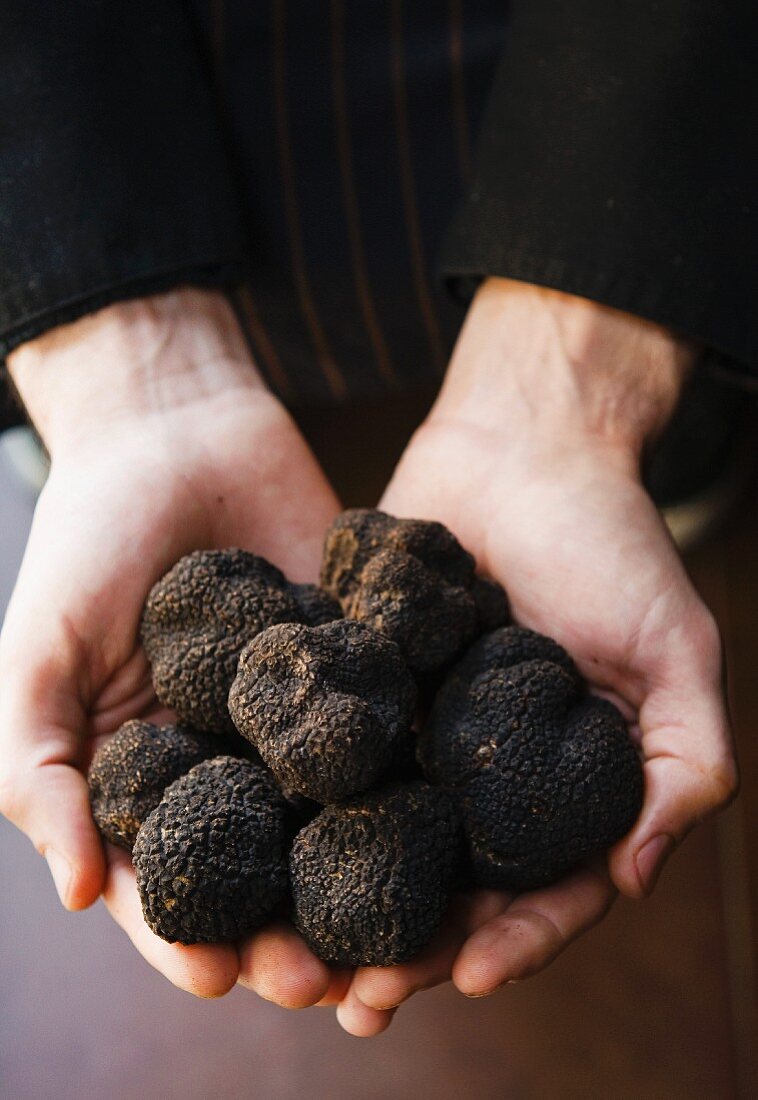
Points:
[(163, 439), (530, 455), (546, 494)]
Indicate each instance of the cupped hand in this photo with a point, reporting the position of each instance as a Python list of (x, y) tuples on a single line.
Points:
[(163, 440), (530, 456)]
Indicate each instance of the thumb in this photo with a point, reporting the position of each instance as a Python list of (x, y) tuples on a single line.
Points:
[(50, 803), (690, 771), (42, 749), (678, 795)]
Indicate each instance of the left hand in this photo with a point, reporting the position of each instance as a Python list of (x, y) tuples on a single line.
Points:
[(531, 457)]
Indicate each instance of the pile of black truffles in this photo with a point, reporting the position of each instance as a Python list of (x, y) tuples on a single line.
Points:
[(349, 754)]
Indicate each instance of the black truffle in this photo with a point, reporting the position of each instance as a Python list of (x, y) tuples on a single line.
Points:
[(130, 772), (491, 604), (545, 775), (316, 606), (325, 706), (200, 616), (211, 859), (409, 579), (371, 878)]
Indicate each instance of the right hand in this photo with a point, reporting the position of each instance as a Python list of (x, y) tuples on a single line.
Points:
[(163, 439)]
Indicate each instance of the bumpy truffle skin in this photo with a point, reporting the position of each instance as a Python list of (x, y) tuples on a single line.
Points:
[(325, 706), (409, 579), (130, 772), (211, 859), (200, 616), (545, 775), (371, 878)]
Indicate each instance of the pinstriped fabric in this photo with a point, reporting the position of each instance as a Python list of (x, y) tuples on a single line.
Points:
[(300, 275), (412, 224), (458, 89), (264, 352), (363, 289), (258, 340), (349, 128)]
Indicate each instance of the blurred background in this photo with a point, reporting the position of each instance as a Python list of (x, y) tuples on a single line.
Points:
[(659, 1001)]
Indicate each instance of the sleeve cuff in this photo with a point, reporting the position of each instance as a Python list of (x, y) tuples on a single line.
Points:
[(208, 276), (614, 162)]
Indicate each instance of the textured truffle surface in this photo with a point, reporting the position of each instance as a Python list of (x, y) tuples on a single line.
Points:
[(409, 579), (371, 878), (544, 774), (211, 859), (327, 707), (203, 612), (130, 772)]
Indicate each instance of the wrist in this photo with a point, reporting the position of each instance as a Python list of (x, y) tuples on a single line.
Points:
[(133, 360), (549, 371)]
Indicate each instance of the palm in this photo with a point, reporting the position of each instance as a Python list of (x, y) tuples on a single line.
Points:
[(108, 524), (585, 558)]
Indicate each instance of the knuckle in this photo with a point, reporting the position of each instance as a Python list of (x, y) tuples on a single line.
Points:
[(385, 994), (534, 925), (724, 784), (713, 785)]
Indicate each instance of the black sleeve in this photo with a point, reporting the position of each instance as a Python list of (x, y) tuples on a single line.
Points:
[(113, 179), (616, 161)]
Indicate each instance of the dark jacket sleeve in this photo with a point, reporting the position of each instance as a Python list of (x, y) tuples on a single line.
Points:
[(616, 161), (113, 179)]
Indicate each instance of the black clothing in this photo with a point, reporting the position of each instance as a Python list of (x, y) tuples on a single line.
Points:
[(310, 157), (618, 161)]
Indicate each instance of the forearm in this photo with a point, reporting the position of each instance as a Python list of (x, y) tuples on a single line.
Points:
[(540, 365), (132, 360)]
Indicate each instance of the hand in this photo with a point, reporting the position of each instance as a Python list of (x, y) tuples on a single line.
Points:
[(531, 456), (163, 440)]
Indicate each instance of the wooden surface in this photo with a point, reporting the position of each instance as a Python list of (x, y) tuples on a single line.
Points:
[(655, 1003)]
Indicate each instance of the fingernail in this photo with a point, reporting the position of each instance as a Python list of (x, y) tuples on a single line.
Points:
[(650, 859), (60, 869)]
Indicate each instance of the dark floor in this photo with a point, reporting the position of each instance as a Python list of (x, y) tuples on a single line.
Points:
[(655, 1003)]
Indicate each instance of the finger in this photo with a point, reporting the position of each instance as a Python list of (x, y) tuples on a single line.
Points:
[(531, 932), (679, 793), (205, 970), (51, 805), (387, 987), (358, 1019), (43, 727), (41, 789), (128, 694), (690, 765), (338, 987), (277, 965)]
